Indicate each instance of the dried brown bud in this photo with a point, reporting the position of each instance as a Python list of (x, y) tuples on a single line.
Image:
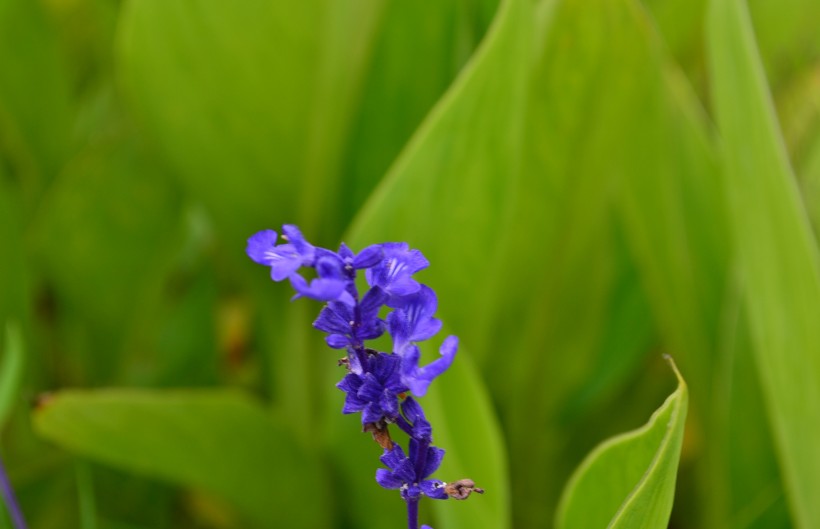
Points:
[(42, 400), (461, 489), (380, 434)]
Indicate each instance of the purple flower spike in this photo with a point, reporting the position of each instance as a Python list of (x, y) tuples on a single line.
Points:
[(413, 320), (419, 378), (376, 384), (394, 272)]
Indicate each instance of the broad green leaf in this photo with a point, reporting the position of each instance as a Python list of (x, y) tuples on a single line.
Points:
[(670, 199), (430, 174), (742, 463), (628, 481), (103, 254), (34, 97), (11, 369), (219, 441), (777, 254), (250, 103), (418, 50), (94, 231), (458, 407)]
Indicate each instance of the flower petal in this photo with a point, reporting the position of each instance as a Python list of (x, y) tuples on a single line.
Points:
[(434, 457), (433, 488), (415, 415), (413, 320), (419, 378), (369, 257), (305, 250), (388, 480), (393, 458), (320, 289), (393, 273), (259, 244), (337, 341)]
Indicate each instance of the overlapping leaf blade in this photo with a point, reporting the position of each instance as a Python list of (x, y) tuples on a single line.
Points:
[(249, 103), (777, 253), (546, 172), (628, 482), (35, 108), (216, 440)]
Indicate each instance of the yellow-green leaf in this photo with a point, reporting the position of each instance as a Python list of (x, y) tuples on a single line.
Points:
[(777, 255)]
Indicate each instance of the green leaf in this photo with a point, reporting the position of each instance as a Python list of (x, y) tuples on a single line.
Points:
[(11, 370), (777, 254), (787, 35), (251, 102), (103, 255), (458, 406), (433, 171), (94, 229), (629, 481), (219, 441), (418, 50), (741, 466), (34, 96)]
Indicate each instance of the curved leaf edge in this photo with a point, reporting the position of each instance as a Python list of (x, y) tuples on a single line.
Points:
[(459, 85), (680, 395)]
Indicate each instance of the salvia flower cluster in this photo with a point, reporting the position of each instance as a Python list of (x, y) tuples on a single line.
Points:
[(378, 385)]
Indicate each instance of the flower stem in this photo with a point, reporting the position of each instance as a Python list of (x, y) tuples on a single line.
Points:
[(413, 514), (9, 499)]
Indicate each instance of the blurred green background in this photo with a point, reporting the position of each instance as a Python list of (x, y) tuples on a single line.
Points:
[(595, 183)]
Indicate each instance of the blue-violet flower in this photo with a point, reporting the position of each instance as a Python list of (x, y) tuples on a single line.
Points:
[(376, 383)]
